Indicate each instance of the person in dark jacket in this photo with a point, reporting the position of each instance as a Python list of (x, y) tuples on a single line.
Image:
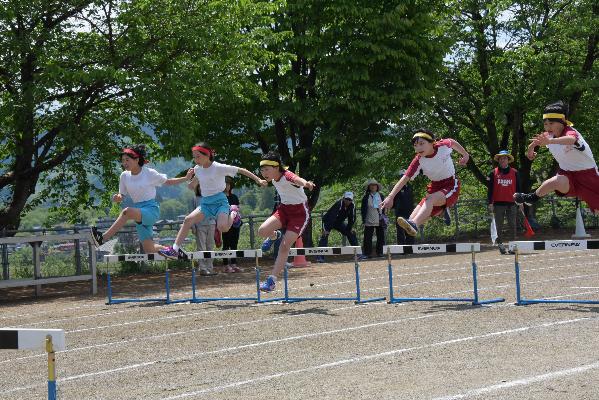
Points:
[(334, 218), (403, 204), (371, 211), (503, 182)]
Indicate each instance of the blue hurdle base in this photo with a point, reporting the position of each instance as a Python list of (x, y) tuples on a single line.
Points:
[(475, 301), (356, 299), (523, 302)]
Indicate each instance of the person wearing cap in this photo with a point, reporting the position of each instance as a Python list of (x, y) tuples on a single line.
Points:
[(433, 158), (403, 204), (372, 212), (139, 183), (577, 175), (334, 218), (503, 182)]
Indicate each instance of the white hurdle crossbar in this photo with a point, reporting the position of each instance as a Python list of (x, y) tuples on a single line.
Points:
[(437, 248), (559, 245), (355, 251), (196, 255), (50, 340)]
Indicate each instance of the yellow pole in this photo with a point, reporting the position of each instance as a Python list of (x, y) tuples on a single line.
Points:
[(51, 368)]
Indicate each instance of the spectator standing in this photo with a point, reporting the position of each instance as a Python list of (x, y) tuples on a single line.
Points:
[(204, 233), (371, 218), (231, 238), (403, 204), (503, 182)]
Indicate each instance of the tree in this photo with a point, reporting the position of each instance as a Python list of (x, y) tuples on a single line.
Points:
[(80, 78), (509, 60)]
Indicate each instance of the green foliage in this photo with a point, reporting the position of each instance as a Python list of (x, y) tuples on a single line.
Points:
[(82, 78)]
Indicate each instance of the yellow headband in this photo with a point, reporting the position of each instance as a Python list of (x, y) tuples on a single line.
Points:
[(557, 116), (269, 162), (423, 135)]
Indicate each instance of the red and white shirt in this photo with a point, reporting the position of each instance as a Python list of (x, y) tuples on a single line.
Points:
[(289, 192), (573, 157), (437, 166)]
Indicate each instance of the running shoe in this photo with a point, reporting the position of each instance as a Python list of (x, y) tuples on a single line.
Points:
[(172, 254), (268, 285), (524, 198), (97, 237), (267, 244), (408, 226)]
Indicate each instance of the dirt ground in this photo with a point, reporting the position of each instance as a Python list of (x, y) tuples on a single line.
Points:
[(318, 349)]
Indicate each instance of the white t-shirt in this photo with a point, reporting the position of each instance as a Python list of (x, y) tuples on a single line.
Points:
[(289, 192), (573, 157), (141, 187), (437, 166), (212, 179)]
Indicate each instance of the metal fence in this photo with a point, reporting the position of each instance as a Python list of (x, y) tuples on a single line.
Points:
[(469, 220)]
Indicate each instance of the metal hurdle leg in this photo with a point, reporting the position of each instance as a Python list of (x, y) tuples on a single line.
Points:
[(473, 300), (543, 245), (358, 292), (112, 300)]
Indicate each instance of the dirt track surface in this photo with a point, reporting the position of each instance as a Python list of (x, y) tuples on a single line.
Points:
[(327, 350)]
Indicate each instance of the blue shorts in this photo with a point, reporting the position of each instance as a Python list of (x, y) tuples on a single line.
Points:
[(213, 205), (150, 212)]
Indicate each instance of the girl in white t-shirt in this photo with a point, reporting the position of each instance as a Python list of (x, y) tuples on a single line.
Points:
[(577, 175), (433, 158), (292, 214), (138, 182), (214, 204)]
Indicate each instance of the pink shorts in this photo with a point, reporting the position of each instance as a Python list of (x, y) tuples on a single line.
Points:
[(584, 185), (450, 187), (293, 217)]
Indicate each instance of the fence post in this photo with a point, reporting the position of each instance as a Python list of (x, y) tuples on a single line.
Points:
[(456, 216), (77, 255), (5, 266), (36, 265), (252, 235)]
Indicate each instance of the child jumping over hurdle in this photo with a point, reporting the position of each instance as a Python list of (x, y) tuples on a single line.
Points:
[(433, 158), (138, 182), (213, 204), (577, 175), (292, 214)]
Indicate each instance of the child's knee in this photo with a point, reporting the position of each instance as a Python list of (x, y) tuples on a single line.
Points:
[(263, 232)]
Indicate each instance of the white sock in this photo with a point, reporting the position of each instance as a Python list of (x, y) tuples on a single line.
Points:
[(176, 247)]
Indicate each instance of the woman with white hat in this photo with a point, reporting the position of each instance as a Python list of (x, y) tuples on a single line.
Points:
[(372, 212)]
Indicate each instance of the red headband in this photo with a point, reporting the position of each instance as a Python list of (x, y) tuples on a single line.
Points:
[(133, 154), (203, 150)]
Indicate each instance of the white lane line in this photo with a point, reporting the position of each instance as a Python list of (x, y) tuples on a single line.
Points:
[(522, 382), (190, 357), (374, 356)]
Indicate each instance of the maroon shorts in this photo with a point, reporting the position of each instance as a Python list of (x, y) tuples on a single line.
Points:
[(293, 217), (584, 185), (450, 187)]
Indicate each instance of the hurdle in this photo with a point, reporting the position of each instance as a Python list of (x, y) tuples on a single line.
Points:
[(113, 258), (320, 251), (517, 246), (50, 340), (192, 256), (437, 248)]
